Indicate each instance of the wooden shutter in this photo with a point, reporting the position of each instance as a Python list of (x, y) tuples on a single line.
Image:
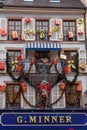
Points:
[(55, 93), (56, 36), (3, 24), (30, 96), (28, 26), (2, 100), (80, 37), (82, 59)]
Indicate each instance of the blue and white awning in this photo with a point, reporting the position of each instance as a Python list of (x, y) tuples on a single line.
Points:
[(43, 46)]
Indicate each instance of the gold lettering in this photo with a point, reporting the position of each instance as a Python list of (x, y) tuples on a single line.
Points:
[(19, 119), (54, 119), (32, 119), (46, 119), (61, 119), (68, 119)]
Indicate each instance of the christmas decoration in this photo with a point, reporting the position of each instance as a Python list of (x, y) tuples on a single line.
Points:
[(27, 20), (71, 64), (2, 87), (32, 61), (80, 21), (50, 34), (42, 34), (79, 88), (56, 29), (70, 34), (57, 22), (28, 32), (20, 58), (63, 57), (19, 68), (55, 61), (14, 35), (82, 64), (14, 65), (67, 69), (24, 87), (2, 65), (3, 32), (23, 37), (62, 86)]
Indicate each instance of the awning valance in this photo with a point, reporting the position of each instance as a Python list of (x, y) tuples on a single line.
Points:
[(43, 46)]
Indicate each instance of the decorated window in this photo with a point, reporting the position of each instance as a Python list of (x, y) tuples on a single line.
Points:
[(14, 29), (73, 96), (69, 30), (70, 62), (13, 96), (42, 28)]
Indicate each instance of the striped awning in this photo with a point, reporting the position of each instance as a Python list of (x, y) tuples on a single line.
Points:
[(43, 46)]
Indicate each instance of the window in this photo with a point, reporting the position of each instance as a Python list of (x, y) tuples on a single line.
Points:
[(14, 26), (13, 54), (70, 56), (55, 0), (42, 28), (13, 96), (73, 97), (69, 30)]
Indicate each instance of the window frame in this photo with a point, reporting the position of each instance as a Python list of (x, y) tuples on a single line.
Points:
[(15, 19), (75, 28), (42, 21)]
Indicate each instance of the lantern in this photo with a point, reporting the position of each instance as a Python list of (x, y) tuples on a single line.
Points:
[(32, 61), (55, 61), (50, 33), (24, 87), (2, 65), (70, 34), (57, 22), (79, 88), (27, 20), (19, 68), (62, 86), (67, 69), (20, 57), (2, 87), (14, 34)]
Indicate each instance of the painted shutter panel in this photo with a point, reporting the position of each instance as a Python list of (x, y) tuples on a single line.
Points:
[(28, 26), (56, 92), (56, 36), (80, 37), (82, 59), (3, 24), (2, 100)]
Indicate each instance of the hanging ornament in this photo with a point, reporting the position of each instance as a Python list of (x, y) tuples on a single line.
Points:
[(19, 68), (20, 58), (2, 87), (14, 35), (71, 64), (32, 61), (70, 34), (23, 37), (67, 69), (62, 86), (2, 65), (24, 87), (42, 34), (57, 22), (63, 57), (79, 88), (14, 65), (3, 32), (50, 34), (55, 61), (27, 20)]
